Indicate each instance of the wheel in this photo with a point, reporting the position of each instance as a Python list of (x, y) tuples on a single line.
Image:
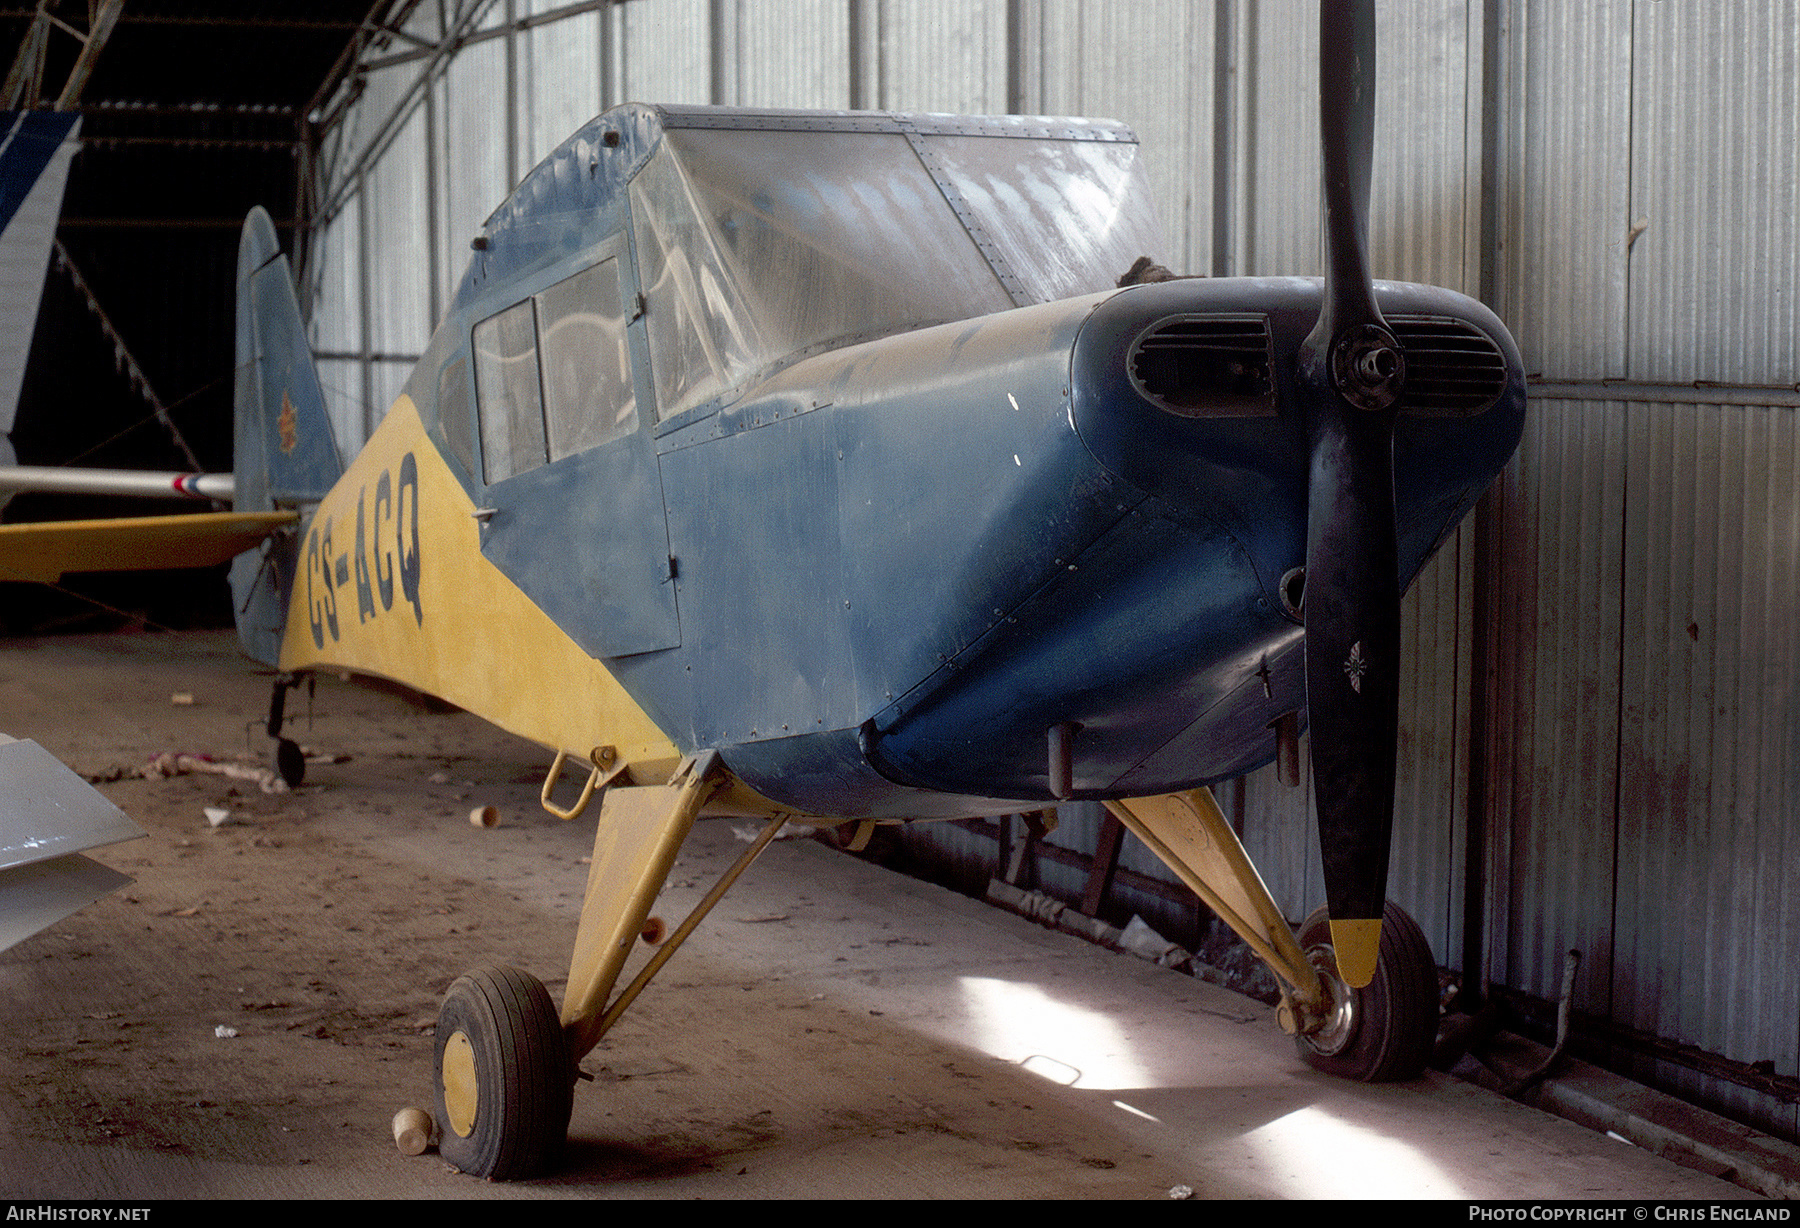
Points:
[(505, 1084), (290, 762), (1383, 1032)]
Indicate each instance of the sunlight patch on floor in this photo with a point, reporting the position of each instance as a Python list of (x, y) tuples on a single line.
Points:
[(1310, 1153), (1066, 1044)]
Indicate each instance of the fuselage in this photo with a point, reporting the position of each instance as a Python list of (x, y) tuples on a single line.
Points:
[(877, 571), (904, 563)]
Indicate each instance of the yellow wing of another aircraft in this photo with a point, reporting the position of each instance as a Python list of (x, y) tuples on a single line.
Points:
[(44, 552)]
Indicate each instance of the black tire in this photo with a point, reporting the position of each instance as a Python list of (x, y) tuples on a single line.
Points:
[(290, 763), (513, 1083), (1387, 1028)]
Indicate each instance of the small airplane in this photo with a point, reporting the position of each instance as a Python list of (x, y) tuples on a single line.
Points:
[(854, 468)]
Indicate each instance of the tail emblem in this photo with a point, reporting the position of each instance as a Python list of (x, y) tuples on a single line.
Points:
[(290, 434)]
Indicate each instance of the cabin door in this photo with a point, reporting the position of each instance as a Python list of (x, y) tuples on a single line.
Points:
[(577, 510)]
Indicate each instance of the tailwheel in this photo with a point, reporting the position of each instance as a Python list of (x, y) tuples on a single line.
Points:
[(290, 762), (1384, 1032), (505, 1084)]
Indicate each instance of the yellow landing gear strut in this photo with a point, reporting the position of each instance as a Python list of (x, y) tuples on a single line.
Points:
[(506, 1059), (1380, 1032), (640, 831)]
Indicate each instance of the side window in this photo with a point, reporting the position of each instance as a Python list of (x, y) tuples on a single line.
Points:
[(588, 396), (453, 411), (506, 386)]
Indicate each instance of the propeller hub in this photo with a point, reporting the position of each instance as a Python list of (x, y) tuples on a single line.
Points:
[(1368, 367)]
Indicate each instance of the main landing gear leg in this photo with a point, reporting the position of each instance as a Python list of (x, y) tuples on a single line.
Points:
[(506, 1063), (1380, 1033)]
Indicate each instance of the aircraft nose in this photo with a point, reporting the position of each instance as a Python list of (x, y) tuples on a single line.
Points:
[(1221, 365)]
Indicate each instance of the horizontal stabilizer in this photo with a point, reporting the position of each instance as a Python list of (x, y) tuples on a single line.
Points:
[(48, 817), (43, 552)]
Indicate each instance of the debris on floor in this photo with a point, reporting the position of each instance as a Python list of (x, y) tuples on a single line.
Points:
[(171, 763)]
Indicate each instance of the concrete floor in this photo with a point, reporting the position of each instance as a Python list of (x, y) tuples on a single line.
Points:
[(832, 1031)]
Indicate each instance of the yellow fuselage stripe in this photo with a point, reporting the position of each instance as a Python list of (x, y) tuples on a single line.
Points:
[(391, 581)]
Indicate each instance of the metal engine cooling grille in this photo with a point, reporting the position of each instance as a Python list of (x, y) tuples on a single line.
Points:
[(1206, 366), (1453, 369)]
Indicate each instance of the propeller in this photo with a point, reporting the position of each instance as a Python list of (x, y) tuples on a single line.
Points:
[(1351, 373)]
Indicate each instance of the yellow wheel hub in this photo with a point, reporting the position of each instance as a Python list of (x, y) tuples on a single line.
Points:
[(461, 1096)]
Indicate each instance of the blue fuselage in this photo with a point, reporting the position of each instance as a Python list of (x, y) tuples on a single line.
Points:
[(875, 560), (898, 565)]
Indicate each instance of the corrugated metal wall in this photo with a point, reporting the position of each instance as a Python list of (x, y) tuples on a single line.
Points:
[(1618, 179), (1649, 798)]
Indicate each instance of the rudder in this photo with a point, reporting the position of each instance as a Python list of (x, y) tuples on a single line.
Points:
[(285, 457)]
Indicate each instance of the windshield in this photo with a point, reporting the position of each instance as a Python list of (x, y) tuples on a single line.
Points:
[(756, 246)]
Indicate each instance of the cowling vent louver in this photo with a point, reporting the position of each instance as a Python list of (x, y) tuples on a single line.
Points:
[(1206, 366), (1453, 369)]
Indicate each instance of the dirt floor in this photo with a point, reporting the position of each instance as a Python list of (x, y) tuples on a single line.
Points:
[(832, 1031)]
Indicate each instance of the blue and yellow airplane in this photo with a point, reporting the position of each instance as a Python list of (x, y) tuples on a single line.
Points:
[(839, 467)]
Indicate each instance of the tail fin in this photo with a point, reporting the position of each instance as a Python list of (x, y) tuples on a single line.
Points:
[(35, 150), (285, 455)]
